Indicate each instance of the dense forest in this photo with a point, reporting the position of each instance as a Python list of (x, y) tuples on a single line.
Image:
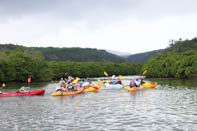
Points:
[(178, 61), (17, 63), (71, 54), (182, 45), (78, 55), (20, 63), (86, 54)]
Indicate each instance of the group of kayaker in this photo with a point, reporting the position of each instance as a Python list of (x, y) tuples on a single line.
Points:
[(113, 80), (71, 84)]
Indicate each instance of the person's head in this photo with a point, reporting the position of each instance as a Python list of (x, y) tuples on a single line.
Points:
[(62, 78), (69, 77), (73, 83)]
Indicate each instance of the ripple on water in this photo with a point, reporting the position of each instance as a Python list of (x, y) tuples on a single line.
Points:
[(163, 109)]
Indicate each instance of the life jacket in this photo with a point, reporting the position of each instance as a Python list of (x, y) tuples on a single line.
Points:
[(132, 83)]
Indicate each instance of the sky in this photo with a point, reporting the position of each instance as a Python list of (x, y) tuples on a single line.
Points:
[(132, 26)]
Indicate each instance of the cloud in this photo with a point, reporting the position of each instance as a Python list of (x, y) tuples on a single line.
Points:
[(104, 24)]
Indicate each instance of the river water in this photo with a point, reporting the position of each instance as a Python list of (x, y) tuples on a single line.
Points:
[(173, 106)]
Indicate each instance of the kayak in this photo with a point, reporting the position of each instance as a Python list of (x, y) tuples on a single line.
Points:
[(149, 85), (113, 86), (132, 89), (92, 89), (30, 93), (60, 93), (144, 86)]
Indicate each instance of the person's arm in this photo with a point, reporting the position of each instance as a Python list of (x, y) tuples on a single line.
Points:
[(21, 89)]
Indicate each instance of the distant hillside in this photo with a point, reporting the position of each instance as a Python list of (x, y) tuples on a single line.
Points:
[(78, 54), (143, 57), (8, 47), (118, 53), (71, 54), (182, 45)]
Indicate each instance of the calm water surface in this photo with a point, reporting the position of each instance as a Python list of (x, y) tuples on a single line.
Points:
[(173, 106)]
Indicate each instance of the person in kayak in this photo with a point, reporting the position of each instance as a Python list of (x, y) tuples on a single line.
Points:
[(70, 79), (137, 83), (142, 81), (118, 81), (62, 86), (109, 81), (132, 84), (22, 89), (74, 86), (113, 79)]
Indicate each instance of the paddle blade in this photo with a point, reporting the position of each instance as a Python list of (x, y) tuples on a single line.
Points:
[(95, 87), (76, 80), (121, 77), (105, 73), (3, 85), (144, 72), (29, 80)]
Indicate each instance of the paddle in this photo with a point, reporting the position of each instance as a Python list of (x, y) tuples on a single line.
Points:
[(121, 77), (105, 73), (145, 71), (29, 81), (3, 86)]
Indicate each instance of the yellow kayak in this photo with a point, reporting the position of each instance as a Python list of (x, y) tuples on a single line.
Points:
[(59, 93), (149, 85), (92, 89), (128, 88)]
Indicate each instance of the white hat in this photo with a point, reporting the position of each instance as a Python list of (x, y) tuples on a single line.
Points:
[(113, 77), (85, 84)]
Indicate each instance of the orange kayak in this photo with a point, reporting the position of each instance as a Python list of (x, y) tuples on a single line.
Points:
[(132, 89), (60, 93)]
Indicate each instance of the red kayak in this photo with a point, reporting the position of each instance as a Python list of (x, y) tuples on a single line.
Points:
[(30, 93)]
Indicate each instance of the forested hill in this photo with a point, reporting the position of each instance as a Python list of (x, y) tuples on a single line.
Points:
[(8, 47), (175, 46), (143, 57), (78, 54), (71, 54), (182, 45)]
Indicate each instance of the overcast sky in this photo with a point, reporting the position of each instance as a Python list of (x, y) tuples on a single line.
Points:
[(132, 26)]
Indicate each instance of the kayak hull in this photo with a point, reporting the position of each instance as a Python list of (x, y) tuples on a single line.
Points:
[(92, 89), (132, 89), (59, 93), (149, 85), (30, 93)]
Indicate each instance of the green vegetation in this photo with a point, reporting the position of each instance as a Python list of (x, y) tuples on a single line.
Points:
[(173, 65), (17, 65), (71, 54), (181, 46), (179, 60), (78, 55)]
